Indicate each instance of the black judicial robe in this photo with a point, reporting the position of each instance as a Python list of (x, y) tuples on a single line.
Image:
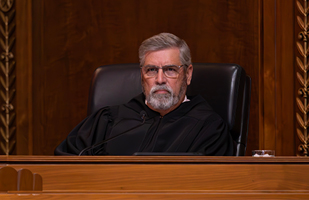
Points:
[(192, 127)]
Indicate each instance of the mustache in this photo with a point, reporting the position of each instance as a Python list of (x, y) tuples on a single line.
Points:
[(161, 87)]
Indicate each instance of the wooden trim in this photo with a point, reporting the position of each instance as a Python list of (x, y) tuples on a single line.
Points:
[(277, 77), (261, 74), (24, 54), (152, 159), (284, 82), (267, 137), (170, 177)]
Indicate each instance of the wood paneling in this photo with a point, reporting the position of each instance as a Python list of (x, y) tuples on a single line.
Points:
[(285, 112), (24, 116), (277, 78), (159, 177), (164, 196), (66, 40), (21, 180)]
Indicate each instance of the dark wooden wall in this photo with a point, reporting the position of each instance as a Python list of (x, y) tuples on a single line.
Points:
[(60, 43)]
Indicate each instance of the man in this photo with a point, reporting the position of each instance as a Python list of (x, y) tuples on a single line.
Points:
[(162, 119)]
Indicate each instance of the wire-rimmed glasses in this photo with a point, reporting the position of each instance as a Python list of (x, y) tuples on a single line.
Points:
[(170, 71)]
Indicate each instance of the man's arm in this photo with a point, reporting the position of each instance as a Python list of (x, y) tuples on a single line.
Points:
[(214, 139), (91, 130)]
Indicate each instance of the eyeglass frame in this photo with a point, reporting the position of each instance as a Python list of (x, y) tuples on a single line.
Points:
[(157, 67)]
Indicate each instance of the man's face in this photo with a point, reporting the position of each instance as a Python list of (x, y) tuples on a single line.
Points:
[(164, 94)]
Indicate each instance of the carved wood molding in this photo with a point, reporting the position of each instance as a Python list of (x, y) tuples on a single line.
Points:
[(302, 77), (7, 78), (21, 180)]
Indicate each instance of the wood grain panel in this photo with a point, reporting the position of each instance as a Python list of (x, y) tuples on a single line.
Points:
[(179, 177), (171, 177), (277, 90), (141, 195), (285, 112), (24, 76), (267, 77)]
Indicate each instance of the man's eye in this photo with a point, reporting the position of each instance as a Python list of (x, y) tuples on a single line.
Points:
[(171, 69), (151, 69)]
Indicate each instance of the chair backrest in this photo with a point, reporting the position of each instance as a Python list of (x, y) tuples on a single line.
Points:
[(226, 87)]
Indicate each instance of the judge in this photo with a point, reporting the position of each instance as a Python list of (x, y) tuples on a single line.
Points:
[(161, 119)]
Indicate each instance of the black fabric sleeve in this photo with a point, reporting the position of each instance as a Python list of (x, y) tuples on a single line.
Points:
[(90, 131), (214, 139)]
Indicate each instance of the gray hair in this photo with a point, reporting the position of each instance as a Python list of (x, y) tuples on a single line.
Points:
[(165, 41)]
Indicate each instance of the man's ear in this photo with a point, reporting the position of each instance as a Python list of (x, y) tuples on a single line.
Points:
[(189, 74)]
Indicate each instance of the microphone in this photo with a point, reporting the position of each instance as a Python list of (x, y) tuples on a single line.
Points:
[(143, 117)]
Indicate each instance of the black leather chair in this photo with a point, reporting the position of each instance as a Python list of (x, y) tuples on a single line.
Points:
[(226, 87)]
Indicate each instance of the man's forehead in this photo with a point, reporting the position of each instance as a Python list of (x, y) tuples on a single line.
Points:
[(164, 56)]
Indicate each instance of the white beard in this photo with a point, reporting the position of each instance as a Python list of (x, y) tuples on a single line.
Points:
[(164, 101), (161, 101)]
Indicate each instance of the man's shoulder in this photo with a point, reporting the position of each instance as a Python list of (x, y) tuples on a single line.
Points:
[(201, 109), (199, 100), (131, 108), (198, 103), (134, 104)]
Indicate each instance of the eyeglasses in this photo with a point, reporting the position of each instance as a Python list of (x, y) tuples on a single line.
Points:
[(170, 71)]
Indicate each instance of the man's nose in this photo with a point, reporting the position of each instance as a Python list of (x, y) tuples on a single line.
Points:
[(160, 78)]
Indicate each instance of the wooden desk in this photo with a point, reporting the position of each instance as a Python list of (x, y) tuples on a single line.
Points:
[(171, 177)]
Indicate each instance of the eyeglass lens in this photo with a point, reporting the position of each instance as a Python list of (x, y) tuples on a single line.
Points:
[(168, 70)]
